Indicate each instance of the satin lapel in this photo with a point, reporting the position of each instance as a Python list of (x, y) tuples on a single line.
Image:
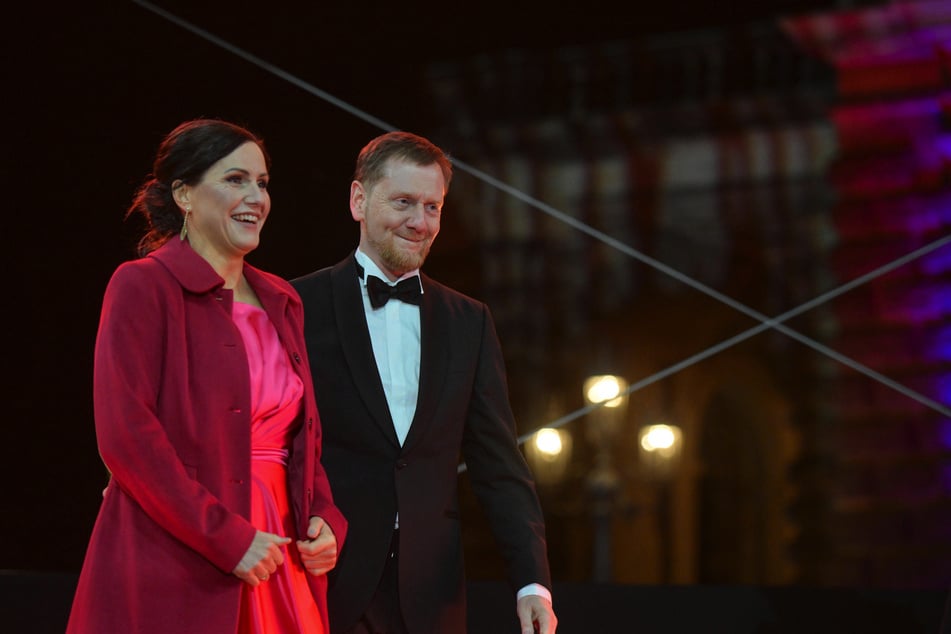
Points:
[(433, 361), (357, 349)]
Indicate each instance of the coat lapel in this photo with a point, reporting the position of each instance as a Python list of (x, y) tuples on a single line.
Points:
[(433, 361), (273, 300), (355, 342)]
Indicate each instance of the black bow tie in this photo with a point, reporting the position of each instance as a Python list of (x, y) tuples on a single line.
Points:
[(380, 292), (408, 290)]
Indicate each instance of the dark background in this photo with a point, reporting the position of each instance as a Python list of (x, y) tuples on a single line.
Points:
[(90, 92)]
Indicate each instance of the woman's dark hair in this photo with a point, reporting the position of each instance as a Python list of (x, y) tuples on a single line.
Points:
[(184, 155)]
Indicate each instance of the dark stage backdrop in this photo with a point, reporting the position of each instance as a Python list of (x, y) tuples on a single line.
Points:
[(91, 89)]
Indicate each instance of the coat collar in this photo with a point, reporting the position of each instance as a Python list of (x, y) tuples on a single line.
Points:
[(356, 345), (355, 342), (197, 276), (190, 269)]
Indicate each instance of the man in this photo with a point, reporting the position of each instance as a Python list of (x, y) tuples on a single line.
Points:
[(404, 389)]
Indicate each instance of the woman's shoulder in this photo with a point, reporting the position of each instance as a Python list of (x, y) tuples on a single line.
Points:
[(139, 279), (266, 278), (138, 270), (271, 284)]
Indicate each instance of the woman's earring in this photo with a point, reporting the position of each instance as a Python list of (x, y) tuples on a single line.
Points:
[(184, 232)]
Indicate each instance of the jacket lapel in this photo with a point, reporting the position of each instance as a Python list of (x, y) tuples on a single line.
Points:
[(273, 299), (433, 361), (355, 342)]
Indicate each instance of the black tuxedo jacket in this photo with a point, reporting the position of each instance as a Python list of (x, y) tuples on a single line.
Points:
[(462, 413)]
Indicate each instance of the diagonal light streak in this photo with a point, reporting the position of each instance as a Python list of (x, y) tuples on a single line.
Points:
[(776, 323), (765, 322)]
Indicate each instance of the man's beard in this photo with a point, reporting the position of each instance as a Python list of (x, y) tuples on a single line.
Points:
[(398, 260)]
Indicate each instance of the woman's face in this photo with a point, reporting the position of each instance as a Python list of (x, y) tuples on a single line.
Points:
[(229, 205)]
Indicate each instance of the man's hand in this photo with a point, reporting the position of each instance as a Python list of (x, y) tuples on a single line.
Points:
[(262, 558), (319, 551), (534, 610)]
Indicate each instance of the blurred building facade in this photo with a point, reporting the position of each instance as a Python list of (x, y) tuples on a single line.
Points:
[(642, 207)]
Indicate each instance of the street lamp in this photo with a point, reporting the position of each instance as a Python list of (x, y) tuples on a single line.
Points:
[(608, 392), (605, 387), (549, 453), (659, 447)]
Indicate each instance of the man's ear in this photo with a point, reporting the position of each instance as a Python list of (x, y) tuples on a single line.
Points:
[(358, 201)]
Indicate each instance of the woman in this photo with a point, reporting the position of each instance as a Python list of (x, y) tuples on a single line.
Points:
[(205, 416)]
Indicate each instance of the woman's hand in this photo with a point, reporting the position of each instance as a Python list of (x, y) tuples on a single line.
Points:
[(262, 559), (319, 551)]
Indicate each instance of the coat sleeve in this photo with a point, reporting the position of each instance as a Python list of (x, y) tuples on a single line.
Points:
[(322, 505), (500, 476), (133, 442)]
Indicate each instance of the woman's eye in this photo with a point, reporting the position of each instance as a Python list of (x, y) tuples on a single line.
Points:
[(236, 179), (262, 184)]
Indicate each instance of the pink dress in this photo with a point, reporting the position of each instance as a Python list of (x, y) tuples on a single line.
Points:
[(282, 604)]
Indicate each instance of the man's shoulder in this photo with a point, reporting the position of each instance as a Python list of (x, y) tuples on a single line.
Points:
[(315, 278), (451, 296), (310, 278)]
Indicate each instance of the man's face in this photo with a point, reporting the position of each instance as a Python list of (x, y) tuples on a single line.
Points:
[(399, 215)]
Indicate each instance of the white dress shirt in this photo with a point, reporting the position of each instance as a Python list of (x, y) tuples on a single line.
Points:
[(394, 333)]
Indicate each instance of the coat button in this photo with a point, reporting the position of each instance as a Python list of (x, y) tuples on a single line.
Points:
[(296, 357), (401, 464)]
